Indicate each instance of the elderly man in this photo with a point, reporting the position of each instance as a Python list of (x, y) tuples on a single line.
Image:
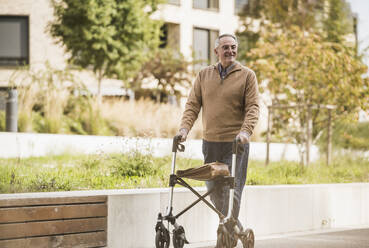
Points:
[(227, 92)]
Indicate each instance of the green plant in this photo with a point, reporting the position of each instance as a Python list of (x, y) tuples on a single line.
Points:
[(347, 134), (50, 181), (133, 165), (112, 37), (301, 69), (146, 119), (2, 121), (170, 70), (135, 170)]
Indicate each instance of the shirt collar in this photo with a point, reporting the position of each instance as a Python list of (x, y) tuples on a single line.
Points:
[(224, 71)]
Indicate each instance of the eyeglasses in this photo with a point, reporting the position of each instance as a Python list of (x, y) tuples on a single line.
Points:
[(232, 47)]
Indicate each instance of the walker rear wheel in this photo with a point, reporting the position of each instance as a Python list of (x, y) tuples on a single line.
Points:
[(223, 240), (162, 239), (248, 239), (179, 237)]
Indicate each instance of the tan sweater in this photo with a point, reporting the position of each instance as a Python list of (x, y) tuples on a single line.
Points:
[(228, 106)]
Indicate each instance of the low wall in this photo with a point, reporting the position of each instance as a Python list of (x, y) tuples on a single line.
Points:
[(29, 144), (266, 209)]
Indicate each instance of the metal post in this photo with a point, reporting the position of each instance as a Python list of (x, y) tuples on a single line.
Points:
[(309, 128), (268, 133), (329, 138), (12, 111)]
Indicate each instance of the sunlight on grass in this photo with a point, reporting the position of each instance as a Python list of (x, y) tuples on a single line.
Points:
[(135, 170)]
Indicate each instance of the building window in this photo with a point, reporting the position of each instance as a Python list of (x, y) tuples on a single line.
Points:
[(169, 37), (14, 40), (176, 2), (206, 4), (240, 5), (203, 46)]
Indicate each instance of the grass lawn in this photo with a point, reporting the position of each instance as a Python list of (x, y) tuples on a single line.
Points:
[(134, 170)]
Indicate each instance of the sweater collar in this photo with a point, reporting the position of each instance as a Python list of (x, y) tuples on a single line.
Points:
[(234, 67)]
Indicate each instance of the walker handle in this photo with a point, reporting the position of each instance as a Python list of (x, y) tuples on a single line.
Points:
[(235, 144), (177, 146)]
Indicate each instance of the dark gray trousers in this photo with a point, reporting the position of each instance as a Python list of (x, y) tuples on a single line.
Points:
[(222, 152)]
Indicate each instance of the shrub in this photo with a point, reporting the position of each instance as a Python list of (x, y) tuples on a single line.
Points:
[(145, 118), (348, 134), (50, 181), (2, 121), (133, 165)]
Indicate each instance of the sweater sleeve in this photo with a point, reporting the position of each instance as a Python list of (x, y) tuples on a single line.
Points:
[(251, 104), (193, 105)]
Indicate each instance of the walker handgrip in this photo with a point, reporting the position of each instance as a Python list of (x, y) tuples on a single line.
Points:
[(177, 146)]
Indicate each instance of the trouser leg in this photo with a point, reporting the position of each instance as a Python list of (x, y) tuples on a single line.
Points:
[(222, 152)]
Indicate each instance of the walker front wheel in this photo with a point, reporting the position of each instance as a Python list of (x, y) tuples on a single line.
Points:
[(162, 239), (248, 239)]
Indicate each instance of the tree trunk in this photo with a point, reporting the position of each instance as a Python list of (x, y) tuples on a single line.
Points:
[(99, 95)]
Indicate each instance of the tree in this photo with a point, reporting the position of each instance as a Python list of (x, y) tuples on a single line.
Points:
[(112, 37), (285, 13), (332, 18), (339, 21), (167, 71), (301, 68)]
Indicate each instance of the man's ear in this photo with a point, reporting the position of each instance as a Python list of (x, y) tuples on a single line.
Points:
[(216, 52)]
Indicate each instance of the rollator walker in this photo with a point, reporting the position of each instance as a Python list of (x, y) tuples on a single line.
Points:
[(228, 232)]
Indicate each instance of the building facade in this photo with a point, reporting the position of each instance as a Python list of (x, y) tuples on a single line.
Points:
[(191, 26)]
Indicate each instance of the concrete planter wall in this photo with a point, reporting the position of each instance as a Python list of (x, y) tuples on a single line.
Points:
[(28, 145), (266, 209)]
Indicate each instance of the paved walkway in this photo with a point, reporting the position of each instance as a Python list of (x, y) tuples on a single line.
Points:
[(339, 238), (356, 238)]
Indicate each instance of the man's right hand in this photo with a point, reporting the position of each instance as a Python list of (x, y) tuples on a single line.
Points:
[(183, 132)]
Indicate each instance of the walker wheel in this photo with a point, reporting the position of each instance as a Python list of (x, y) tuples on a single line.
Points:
[(248, 239), (162, 239), (179, 238), (223, 240)]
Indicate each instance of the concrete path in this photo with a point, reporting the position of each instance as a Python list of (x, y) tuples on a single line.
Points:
[(356, 238), (334, 238)]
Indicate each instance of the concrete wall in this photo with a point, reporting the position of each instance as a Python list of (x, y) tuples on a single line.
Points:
[(28, 144), (266, 209)]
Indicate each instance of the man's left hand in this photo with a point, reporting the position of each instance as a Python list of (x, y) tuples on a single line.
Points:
[(244, 137)]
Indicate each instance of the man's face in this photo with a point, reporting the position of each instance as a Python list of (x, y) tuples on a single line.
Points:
[(226, 51)]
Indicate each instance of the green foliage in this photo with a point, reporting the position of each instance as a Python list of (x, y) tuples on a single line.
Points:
[(284, 12), (331, 18), (300, 68), (133, 165), (349, 135), (170, 70), (2, 121), (55, 101), (135, 170), (344, 169), (50, 181), (113, 36), (43, 95), (84, 117), (339, 21)]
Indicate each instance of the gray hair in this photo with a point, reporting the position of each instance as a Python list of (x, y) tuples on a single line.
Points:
[(224, 35)]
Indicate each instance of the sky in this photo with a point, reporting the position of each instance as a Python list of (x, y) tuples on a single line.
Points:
[(361, 8)]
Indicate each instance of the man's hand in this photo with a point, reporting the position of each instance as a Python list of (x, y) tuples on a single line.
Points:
[(244, 137), (183, 132)]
